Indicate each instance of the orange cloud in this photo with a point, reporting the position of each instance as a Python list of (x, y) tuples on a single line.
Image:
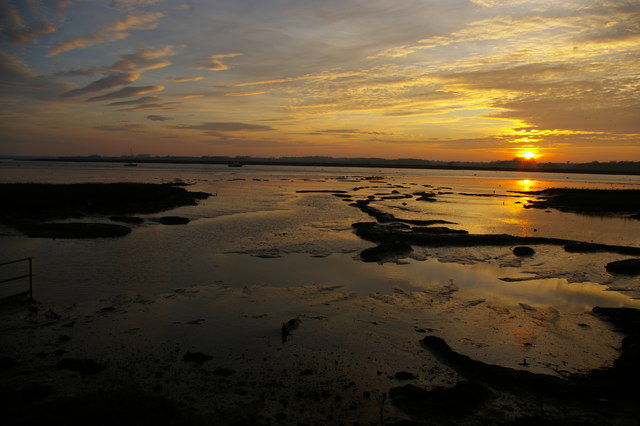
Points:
[(183, 79), (244, 93), (214, 62), (115, 31), (126, 93)]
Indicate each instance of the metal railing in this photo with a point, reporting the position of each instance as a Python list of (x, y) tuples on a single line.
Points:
[(20, 295)]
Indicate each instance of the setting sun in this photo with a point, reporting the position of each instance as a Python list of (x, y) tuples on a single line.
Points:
[(528, 155)]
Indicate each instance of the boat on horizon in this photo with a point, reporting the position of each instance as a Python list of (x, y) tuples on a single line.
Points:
[(235, 164)]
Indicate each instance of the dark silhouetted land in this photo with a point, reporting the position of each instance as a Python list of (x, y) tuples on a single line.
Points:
[(516, 164), (30, 207), (588, 201)]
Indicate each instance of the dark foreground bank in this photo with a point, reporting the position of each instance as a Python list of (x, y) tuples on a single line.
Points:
[(106, 389), (35, 209)]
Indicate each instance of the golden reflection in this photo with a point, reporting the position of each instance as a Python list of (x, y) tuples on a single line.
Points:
[(527, 184)]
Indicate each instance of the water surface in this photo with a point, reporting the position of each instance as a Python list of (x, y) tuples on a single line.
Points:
[(257, 229)]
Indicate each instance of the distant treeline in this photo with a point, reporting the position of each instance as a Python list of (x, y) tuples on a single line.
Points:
[(516, 164)]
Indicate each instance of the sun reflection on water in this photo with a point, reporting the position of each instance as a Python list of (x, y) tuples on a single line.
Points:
[(527, 184)]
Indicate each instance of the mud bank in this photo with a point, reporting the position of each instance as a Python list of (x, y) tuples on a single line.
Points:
[(216, 355), (588, 201), (388, 230), (603, 396), (32, 208)]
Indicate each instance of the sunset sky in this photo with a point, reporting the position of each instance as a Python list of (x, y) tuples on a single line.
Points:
[(455, 80)]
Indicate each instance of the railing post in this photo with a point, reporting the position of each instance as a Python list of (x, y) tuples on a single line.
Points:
[(19, 277)]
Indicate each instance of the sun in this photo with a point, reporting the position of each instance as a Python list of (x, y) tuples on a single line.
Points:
[(528, 155)]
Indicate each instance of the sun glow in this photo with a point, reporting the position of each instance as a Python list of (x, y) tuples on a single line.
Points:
[(528, 155)]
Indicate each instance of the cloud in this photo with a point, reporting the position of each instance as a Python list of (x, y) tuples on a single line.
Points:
[(158, 118), (183, 79), (344, 133), (124, 71), (244, 93), (129, 5), (108, 82), (146, 106), (279, 80), (63, 4), (349, 132), (225, 127), (143, 100), (143, 59), (214, 62), (592, 113), (115, 31), (126, 93), (16, 28), (22, 36), (120, 127), (17, 78)]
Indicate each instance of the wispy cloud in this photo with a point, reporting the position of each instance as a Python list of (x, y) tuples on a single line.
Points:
[(20, 30), (130, 5), (183, 79), (154, 105), (123, 72), (345, 133), (108, 82), (126, 127), (224, 127), (244, 93), (143, 59), (437, 74), (215, 63), (143, 100), (158, 118), (126, 93), (17, 78), (115, 31)]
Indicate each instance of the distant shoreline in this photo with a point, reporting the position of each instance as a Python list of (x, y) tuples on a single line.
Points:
[(526, 168)]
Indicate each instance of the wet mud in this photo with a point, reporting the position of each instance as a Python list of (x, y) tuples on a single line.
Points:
[(319, 354), (32, 208)]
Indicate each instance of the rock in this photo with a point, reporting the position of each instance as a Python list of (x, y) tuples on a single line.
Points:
[(174, 220), (293, 323), (385, 250), (523, 251), (288, 327), (427, 197), (625, 267)]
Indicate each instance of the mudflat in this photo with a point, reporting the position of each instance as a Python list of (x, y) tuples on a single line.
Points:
[(36, 208), (321, 354)]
